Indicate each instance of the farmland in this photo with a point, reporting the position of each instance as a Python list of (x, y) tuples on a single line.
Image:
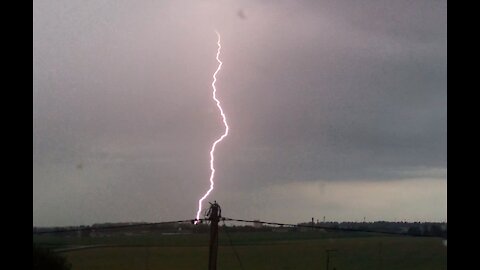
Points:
[(255, 250)]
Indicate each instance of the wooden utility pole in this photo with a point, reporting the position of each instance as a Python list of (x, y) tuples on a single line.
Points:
[(328, 255), (213, 214)]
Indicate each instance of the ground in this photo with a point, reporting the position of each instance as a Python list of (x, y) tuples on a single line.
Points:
[(255, 250)]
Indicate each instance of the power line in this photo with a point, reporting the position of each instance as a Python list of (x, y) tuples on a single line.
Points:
[(323, 227), (90, 228), (231, 245)]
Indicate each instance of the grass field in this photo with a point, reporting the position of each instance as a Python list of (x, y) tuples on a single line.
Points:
[(256, 250)]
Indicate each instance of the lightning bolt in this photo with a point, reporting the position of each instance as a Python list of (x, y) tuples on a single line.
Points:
[(224, 118)]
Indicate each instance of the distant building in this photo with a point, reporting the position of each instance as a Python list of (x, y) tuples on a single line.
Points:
[(257, 224)]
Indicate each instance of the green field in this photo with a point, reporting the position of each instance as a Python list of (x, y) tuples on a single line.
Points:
[(256, 250)]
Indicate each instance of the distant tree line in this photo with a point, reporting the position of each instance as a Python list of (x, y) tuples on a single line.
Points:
[(411, 228), (428, 230), (105, 229)]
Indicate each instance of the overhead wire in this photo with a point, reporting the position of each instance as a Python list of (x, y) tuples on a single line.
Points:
[(232, 246), (324, 227), (100, 228), (329, 228)]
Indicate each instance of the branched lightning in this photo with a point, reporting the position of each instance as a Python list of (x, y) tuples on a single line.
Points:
[(212, 168)]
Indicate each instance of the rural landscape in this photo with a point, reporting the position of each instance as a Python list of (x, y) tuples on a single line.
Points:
[(319, 126), (185, 246)]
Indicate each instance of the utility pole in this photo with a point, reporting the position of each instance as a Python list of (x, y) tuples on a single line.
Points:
[(213, 214), (328, 255), (380, 256)]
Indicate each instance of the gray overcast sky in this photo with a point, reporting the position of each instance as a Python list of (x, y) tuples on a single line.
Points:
[(336, 108)]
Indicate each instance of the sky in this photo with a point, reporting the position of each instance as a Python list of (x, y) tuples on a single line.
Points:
[(337, 109)]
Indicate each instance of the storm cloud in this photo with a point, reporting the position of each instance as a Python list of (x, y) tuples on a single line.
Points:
[(317, 94)]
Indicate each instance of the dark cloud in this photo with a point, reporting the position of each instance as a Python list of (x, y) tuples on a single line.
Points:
[(326, 91)]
